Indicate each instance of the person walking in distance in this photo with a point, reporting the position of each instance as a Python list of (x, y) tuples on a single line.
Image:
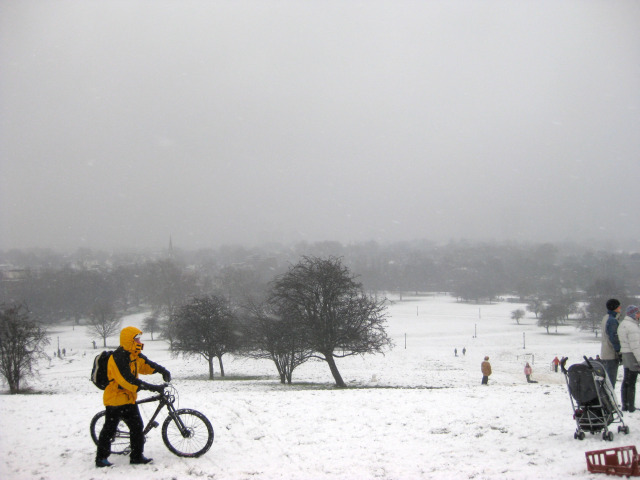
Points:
[(123, 368), (527, 373), (610, 344), (485, 367), (629, 335), (556, 362)]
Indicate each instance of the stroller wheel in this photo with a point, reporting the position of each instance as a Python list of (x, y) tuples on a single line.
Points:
[(579, 435), (607, 436)]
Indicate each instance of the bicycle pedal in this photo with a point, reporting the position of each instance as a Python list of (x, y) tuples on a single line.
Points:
[(154, 424)]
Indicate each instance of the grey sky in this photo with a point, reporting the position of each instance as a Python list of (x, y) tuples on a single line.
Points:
[(125, 122)]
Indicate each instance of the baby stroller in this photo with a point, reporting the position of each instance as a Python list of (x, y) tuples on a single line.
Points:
[(592, 398)]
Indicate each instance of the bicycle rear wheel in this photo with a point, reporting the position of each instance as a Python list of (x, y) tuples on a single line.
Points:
[(120, 442), (189, 434)]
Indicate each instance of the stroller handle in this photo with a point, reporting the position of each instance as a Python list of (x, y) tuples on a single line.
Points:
[(588, 362)]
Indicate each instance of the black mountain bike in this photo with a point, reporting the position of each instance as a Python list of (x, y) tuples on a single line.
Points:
[(185, 432)]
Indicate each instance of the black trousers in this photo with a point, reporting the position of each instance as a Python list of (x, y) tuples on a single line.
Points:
[(628, 391), (130, 415)]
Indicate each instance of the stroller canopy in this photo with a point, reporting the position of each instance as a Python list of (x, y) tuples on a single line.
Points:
[(581, 384)]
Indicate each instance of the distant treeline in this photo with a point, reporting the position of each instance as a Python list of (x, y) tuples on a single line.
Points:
[(56, 286)]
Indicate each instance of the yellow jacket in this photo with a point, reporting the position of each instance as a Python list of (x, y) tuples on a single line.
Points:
[(123, 369)]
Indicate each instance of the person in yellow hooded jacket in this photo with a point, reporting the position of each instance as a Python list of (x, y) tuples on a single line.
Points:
[(123, 368)]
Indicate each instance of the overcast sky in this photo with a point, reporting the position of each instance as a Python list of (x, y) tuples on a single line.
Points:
[(123, 123)]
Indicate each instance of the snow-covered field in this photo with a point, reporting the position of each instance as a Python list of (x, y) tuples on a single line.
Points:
[(417, 412)]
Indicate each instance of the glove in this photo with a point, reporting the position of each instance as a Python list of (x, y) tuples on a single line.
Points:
[(151, 387), (166, 375), (156, 388)]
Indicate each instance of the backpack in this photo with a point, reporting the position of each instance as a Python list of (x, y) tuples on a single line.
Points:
[(99, 370)]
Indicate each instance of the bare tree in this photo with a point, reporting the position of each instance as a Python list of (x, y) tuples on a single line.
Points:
[(552, 315), (275, 336), (21, 343), (588, 323), (535, 306), (205, 326), (517, 315), (103, 321), (339, 319), (151, 324)]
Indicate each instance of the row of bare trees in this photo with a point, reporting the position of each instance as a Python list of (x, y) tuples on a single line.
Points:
[(584, 309), (315, 310), (55, 295), (58, 288)]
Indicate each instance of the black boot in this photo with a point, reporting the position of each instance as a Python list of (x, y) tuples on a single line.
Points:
[(141, 460), (623, 397)]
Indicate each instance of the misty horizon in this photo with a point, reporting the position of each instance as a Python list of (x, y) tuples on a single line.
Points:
[(124, 124)]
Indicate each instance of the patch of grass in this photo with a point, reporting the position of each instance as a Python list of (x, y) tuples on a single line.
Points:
[(333, 386), (231, 378), (26, 391), (240, 378), (275, 383)]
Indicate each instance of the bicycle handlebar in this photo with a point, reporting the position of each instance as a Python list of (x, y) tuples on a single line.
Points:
[(159, 395)]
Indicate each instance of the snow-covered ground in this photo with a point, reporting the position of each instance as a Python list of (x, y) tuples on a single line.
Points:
[(417, 412)]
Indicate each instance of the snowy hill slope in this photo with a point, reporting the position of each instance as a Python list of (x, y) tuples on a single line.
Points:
[(418, 412)]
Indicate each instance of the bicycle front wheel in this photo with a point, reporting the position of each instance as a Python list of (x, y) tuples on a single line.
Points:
[(187, 433), (120, 442)]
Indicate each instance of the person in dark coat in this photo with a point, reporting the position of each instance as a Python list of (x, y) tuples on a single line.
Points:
[(610, 343)]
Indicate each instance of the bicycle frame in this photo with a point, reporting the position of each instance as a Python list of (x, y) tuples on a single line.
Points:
[(163, 401)]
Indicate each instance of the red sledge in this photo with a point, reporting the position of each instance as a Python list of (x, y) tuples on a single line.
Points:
[(621, 461)]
